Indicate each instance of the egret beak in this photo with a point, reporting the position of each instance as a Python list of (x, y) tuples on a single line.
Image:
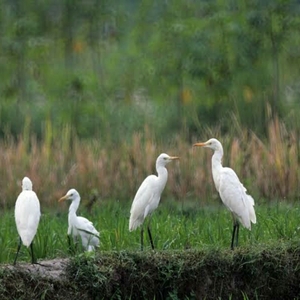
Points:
[(199, 145), (174, 157), (63, 198)]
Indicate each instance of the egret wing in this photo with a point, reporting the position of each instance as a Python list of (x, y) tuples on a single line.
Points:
[(141, 207), (86, 226), (27, 216), (89, 235), (233, 195)]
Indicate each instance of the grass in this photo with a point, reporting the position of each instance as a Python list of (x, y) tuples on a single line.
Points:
[(190, 217), (220, 274), (173, 227), (192, 260), (265, 272)]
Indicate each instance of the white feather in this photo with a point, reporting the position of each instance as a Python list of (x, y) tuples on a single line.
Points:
[(148, 195), (80, 226), (27, 213)]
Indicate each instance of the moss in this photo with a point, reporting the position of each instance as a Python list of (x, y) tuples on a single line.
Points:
[(262, 272), (269, 273), (16, 283)]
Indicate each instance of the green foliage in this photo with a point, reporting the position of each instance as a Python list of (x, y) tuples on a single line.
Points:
[(192, 257), (248, 273), (173, 226), (170, 65)]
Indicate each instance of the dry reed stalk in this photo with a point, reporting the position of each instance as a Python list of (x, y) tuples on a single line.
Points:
[(279, 161), (268, 169)]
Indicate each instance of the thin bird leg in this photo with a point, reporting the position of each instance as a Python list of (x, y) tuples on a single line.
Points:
[(150, 236), (32, 255), (19, 247), (69, 245), (33, 261), (233, 235), (142, 238)]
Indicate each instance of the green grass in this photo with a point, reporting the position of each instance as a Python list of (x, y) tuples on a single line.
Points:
[(174, 227), (192, 258), (271, 272)]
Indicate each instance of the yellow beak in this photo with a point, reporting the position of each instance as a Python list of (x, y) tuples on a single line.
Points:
[(63, 198), (174, 157), (199, 144)]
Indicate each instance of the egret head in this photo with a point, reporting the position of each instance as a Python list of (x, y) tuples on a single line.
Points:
[(211, 143), (26, 184), (164, 158), (70, 195)]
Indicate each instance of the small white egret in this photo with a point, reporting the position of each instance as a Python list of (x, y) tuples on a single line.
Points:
[(80, 226), (27, 216), (148, 196), (232, 192)]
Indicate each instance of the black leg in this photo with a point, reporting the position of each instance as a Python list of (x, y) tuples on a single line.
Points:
[(142, 238), (233, 235), (19, 247), (70, 246), (32, 255), (69, 241), (150, 237)]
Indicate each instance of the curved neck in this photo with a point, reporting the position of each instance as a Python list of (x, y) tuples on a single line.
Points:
[(162, 173), (216, 161), (74, 206)]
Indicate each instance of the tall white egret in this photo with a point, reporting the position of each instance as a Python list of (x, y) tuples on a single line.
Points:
[(148, 196), (27, 216), (232, 192), (80, 226)]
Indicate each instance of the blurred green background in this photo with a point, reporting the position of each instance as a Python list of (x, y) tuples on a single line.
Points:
[(110, 68)]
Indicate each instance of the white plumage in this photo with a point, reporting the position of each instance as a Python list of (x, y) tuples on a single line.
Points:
[(232, 192), (235, 198), (80, 226), (27, 214), (148, 195)]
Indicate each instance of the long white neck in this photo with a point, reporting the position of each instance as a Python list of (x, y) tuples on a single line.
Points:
[(216, 162), (162, 173), (73, 209)]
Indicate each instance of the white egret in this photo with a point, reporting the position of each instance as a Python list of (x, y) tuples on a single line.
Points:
[(80, 226), (148, 196), (232, 192), (27, 216)]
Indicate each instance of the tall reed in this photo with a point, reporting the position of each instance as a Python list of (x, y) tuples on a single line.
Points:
[(268, 168)]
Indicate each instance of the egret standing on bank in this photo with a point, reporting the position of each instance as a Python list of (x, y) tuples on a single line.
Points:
[(232, 192), (27, 216), (148, 196), (80, 226)]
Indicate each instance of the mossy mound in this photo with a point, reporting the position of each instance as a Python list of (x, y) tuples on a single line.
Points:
[(266, 273), (270, 273), (46, 281)]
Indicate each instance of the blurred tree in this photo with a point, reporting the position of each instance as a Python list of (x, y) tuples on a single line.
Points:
[(170, 64)]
